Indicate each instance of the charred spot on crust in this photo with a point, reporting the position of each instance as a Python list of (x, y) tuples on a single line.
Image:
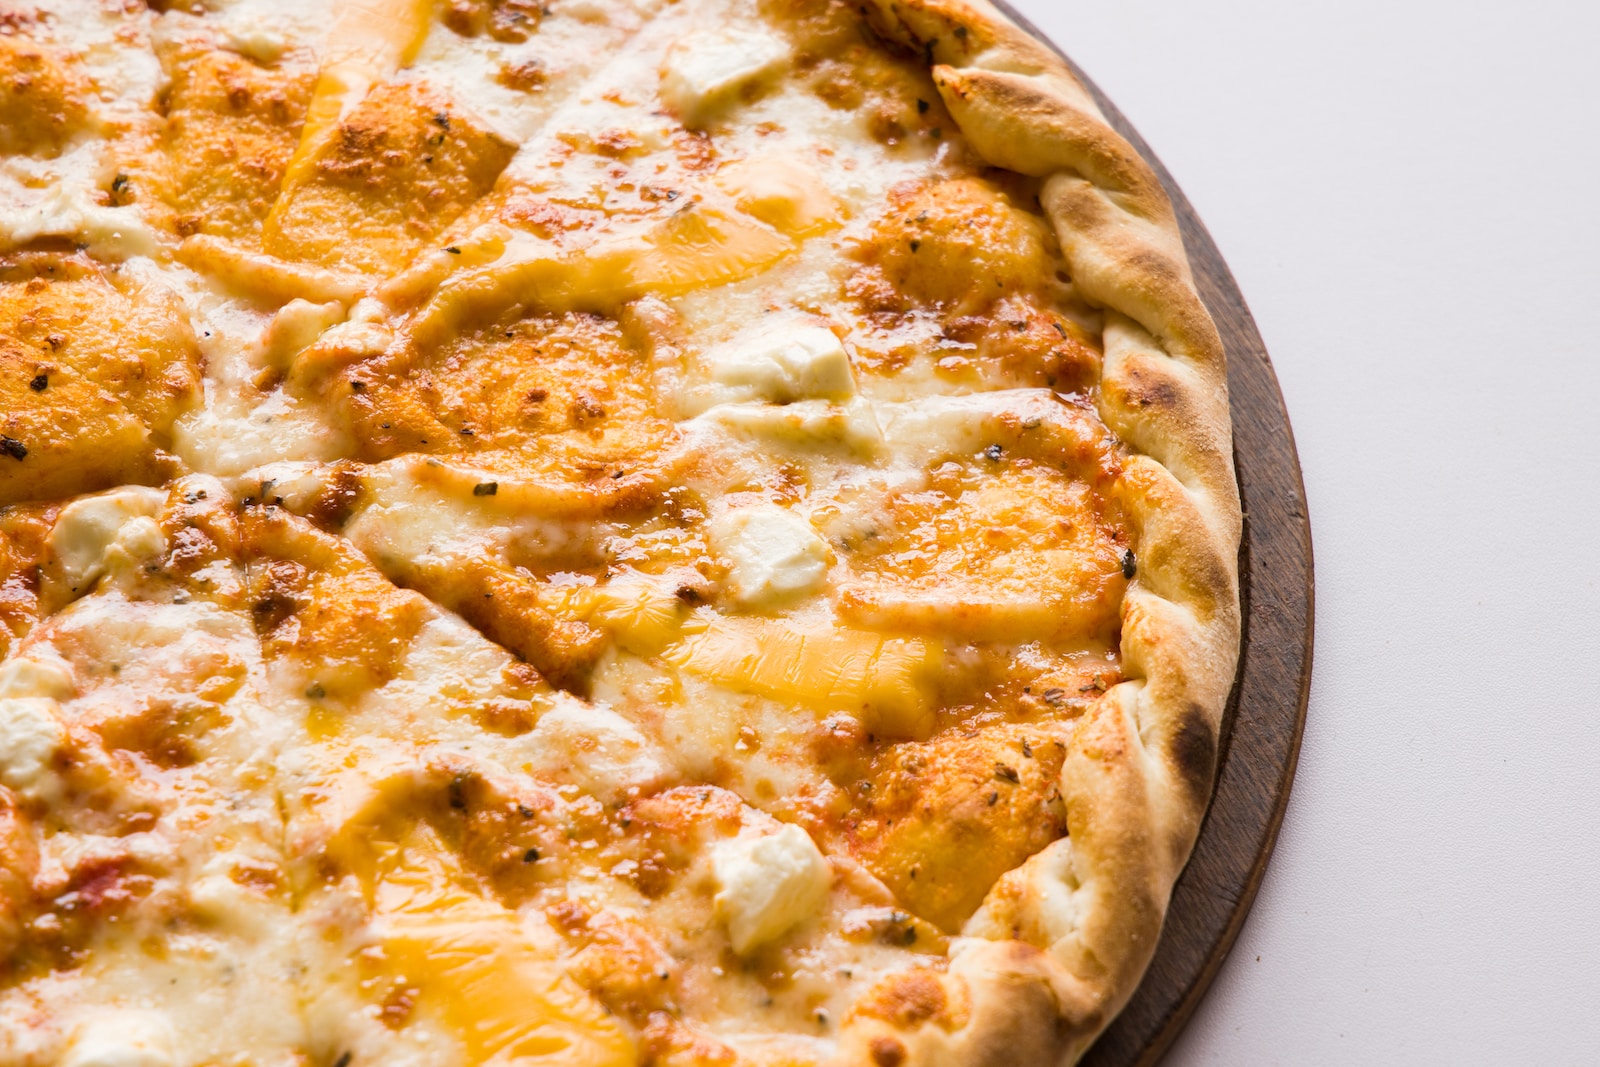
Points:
[(1193, 750), (1153, 264), (1141, 389)]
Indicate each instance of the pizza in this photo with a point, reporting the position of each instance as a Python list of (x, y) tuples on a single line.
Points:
[(590, 532)]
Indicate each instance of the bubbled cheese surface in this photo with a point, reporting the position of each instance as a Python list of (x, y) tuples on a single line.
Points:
[(530, 533)]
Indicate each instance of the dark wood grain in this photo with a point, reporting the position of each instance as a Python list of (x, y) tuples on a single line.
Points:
[(1262, 726)]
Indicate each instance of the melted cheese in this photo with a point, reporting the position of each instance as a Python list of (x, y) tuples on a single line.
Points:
[(29, 677), (594, 748), (499, 992), (124, 1039), (584, 508)]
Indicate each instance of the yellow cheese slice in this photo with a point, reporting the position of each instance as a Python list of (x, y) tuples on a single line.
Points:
[(368, 41), (882, 679)]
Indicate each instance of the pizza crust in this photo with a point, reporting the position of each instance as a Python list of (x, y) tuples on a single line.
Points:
[(1060, 943)]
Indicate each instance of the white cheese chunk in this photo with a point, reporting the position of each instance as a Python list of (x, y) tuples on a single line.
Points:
[(26, 676), (123, 1039), (69, 209), (94, 531), (253, 38), (30, 735), (706, 71), (295, 327), (233, 434), (772, 554), (768, 884), (297, 485), (218, 896), (783, 364)]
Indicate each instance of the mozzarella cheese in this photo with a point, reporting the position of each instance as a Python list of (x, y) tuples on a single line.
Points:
[(27, 676), (123, 1039), (594, 747), (72, 211)]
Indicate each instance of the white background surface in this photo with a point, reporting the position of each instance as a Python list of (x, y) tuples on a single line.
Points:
[(1409, 195)]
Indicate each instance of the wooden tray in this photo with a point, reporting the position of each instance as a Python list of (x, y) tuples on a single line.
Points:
[(1261, 729)]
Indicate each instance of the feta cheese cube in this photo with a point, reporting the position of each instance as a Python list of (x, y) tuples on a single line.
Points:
[(784, 364), (89, 532), (30, 735), (768, 884), (772, 554), (706, 71)]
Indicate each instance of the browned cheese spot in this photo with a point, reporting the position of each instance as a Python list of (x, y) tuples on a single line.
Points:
[(398, 170), (122, 365), (945, 818), (41, 99)]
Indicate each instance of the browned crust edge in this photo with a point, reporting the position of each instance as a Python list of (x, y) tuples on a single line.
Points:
[(1061, 942)]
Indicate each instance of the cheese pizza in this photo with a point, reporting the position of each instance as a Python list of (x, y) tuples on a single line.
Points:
[(590, 532)]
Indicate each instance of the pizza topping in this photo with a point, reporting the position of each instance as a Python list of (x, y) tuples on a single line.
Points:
[(124, 1039), (232, 125), (955, 245), (30, 736), (36, 676), (466, 960), (884, 680), (42, 102), (783, 363), (124, 365), (772, 554), (706, 71), (996, 557), (350, 204), (102, 531), (767, 883), (783, 191), (946, 817), (595, 748)]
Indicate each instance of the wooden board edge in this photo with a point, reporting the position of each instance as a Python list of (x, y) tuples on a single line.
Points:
[(1265, 720)]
